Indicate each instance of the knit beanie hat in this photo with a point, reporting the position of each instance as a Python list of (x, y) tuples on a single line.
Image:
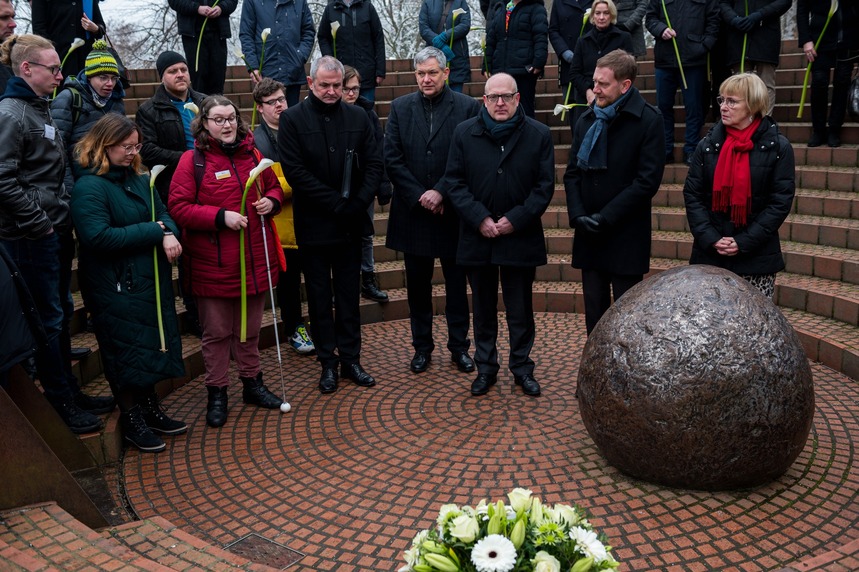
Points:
[(167, 59), (100, 61)]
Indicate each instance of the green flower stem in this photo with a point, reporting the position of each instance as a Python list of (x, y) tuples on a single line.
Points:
[(745, 43), (566, 101), (254, 116), (62, 63), (243, 269), (200, 40), (676, 49), (157, 277), (832, 9)]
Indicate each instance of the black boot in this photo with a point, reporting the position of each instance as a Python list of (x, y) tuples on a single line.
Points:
[(136, 432), (256, 393), (157, 420), (370, 288), (216, 408)]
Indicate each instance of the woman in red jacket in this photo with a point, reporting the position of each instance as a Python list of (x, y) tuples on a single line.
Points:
[(206, 202)]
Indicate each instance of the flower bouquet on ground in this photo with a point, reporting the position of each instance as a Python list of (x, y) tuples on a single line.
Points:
[(522, 536)]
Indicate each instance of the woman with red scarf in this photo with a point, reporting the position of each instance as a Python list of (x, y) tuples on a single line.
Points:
[(740, 186)]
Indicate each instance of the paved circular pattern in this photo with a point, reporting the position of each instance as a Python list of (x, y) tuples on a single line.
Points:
[(347, 479)]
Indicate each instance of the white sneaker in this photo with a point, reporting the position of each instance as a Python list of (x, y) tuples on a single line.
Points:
[(301, 341)]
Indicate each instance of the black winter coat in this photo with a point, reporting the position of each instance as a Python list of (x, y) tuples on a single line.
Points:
[(811, 17), (621, 193), (697, 25), (591, 47), (20, 326), (384, 192), (360, 38), (525, 42), (313, 140), (189, 21), (764, 41), (163, 135), (773, 186), (112, 215), (515, 180), (565, 24), (60, 22), (415, 158), (630, 18)]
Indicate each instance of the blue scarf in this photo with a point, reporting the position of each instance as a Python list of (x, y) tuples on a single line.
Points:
[(593, 153)]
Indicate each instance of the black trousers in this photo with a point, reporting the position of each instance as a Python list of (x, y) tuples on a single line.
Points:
[(419, 271), (289, 291), (517, 284), (841, 66), (597, 287), (210, 78), (334, 268)]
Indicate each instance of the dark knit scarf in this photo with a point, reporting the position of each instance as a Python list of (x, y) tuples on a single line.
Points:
[(732, 180), (502, 131), (593, 153)]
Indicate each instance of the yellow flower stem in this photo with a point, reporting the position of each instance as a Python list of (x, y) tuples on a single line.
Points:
[(200, 40), (676, 49), (157, 277), (566, 101), (808, 67)]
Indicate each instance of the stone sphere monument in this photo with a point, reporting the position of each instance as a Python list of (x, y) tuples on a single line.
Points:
[(694, 379)]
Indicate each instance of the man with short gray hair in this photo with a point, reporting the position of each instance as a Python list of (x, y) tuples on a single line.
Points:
[(329, 156), (422, 223)]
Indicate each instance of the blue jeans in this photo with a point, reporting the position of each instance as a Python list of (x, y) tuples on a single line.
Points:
[(368, 93), (39, 264), (668, 80)]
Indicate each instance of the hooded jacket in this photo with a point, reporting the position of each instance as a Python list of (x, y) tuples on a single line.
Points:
[(33, 198), (289, 44), (360, 39)]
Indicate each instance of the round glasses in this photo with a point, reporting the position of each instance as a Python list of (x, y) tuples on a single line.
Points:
[(729, 101), (219, 121), (131, 149)]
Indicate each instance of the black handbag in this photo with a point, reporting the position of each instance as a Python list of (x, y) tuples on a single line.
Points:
[(853, 98)]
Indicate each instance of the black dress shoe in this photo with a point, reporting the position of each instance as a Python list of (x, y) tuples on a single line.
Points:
[(356, 373), (528, 384), (420, 362), (482, 383), (80, 353), (97, 405), (328, 380), (463, 362), (817, 139)]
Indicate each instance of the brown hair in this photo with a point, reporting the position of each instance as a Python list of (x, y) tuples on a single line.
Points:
[(198, 128), (110, 130), (18, 49), (348, 73), (265, 88), (621, 63)]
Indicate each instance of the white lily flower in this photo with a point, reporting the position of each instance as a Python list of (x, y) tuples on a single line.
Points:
[(192, 107), (153, 174), (263, 165), (560, 108), (334, 27), (76, 43), (237, 51), (457, 13), (265, 34)]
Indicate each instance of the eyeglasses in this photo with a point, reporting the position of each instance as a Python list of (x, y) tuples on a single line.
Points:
[(274, 102), (131, 149), (53, 70), (729, 101), (107, 78), (355, 89), (219, 121), (505, 97)]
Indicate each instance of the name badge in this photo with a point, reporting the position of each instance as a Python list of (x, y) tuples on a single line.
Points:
[(50, 132), (222, 175)]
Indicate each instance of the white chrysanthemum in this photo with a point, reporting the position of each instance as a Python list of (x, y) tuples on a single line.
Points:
[(495, 553), (446, 512), (587, 542)]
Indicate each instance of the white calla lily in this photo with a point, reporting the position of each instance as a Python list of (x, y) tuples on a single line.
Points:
[(457, 13), (263, 165), (237, 51), (265, 34), (192, 107), (76, 43), (153, 174), (334, 27)]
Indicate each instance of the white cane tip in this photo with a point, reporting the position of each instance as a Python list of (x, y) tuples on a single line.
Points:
[(285, 407)]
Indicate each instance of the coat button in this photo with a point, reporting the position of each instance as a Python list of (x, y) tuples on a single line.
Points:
[(327, 118), (500, 171), (331, 149), (429, 152)]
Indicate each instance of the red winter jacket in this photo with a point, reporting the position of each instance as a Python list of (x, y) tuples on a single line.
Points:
[(210, 249)]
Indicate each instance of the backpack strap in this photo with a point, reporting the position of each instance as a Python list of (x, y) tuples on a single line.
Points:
[(77, 104), (199, 169)]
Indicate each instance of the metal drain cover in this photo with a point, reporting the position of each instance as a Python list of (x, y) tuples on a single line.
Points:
[(264, 551)]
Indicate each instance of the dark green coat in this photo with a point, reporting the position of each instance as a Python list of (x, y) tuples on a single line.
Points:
[(116, 272)]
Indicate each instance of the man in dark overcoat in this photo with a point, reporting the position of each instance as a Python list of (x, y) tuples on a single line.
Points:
[(500, 179), (423, 224), (615, 168), (758, 24)]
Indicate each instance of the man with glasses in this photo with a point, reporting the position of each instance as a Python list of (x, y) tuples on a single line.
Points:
[(500, 178), (34, 211), (422, 224), (615, 168), (329, 155)]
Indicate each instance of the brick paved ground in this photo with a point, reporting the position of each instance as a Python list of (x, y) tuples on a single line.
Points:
[(347, 479)]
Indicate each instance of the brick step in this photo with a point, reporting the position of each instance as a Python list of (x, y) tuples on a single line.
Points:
[(47, 533), (15, 560), (177, 549)]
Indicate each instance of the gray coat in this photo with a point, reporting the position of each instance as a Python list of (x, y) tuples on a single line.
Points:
[(630, 17), (417, 142)]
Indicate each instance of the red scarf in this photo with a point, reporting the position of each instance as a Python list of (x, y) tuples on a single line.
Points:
[(732, 181)]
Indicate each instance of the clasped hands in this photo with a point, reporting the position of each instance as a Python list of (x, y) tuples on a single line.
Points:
[(594, 223), (726, 246), (432, 201), (491, 229)]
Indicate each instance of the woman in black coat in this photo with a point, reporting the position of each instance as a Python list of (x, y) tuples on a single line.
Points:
[(519, 46), (740, 186), (127, 247), (603, 38)]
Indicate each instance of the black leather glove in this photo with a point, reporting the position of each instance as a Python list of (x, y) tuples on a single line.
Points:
[(755, 18), (737, 21), (746, 25), (588, 224)]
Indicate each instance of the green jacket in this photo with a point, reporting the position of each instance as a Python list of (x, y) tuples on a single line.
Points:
[(117, 275)]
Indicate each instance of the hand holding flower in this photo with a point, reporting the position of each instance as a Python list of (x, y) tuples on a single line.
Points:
[(263, 206)]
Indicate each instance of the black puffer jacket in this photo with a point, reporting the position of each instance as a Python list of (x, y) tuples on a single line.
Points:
[(697, 25), (525, 42), (773, 187), (33, 198), (163, 135), (360, 38), (764, 40)]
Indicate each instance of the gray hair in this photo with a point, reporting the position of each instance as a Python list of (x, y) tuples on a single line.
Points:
[(430, 52), (325, 63)]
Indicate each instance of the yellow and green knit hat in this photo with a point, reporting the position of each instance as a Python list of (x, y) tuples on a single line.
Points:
[(100, 61)]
